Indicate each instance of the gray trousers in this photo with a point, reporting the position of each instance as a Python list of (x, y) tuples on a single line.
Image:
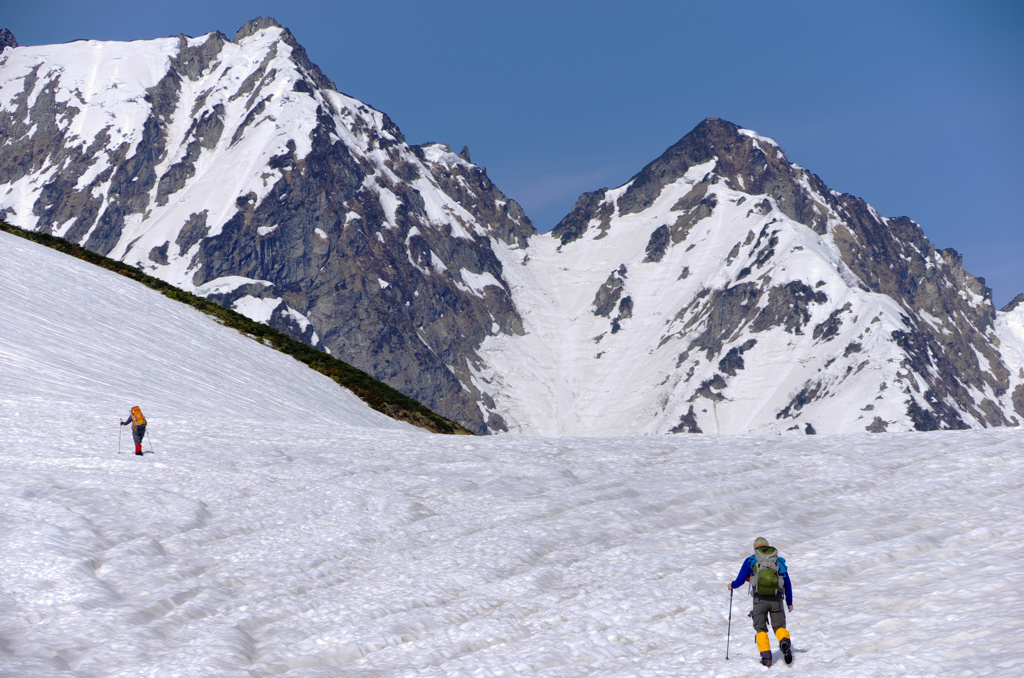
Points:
[(137, 433), (765, 606)]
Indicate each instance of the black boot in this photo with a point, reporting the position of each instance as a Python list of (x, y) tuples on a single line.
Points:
[(766, 658), (787, 650)]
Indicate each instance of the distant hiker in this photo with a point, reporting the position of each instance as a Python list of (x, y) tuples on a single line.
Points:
[(769, 579), (138, 423)]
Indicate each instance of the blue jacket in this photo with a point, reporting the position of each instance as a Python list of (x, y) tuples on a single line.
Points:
[(747, 568)]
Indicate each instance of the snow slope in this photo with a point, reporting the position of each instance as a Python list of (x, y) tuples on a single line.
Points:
[(69, 327), (1010, 327), (278, 528)]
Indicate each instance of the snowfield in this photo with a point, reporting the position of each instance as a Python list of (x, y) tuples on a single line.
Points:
[(279, 527)]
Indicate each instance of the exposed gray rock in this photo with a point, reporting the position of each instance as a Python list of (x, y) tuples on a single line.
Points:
[(1014, 303), (254, 26), (574, 224), (721, 314), (205, 133), (192, 61), (829, 329), (733, 360), (810, 392), (788, 306), (709, 389), (878, 425), (658, 244), (610, 292), (7, 39), (193, 232), (738, 156), (687, 423), (158, 255)]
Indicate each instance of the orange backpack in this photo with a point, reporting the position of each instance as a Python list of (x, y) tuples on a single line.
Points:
[(137, 418)]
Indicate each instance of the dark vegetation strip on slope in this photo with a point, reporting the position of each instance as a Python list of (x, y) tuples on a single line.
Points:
[(374, 393)]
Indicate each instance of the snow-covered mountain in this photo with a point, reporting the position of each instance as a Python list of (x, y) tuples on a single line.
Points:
[(236, 170), (723, 289)]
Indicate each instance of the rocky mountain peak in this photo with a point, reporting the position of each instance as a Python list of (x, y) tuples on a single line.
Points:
[(1016, 302), (711, 139), (743, 159), (747, 162), (254, 26), (298, 52), (7, 39)]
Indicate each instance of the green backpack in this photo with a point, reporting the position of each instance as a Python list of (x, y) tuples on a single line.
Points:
[(765, 579)]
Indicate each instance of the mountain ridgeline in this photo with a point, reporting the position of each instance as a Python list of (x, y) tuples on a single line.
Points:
[(721, 290)]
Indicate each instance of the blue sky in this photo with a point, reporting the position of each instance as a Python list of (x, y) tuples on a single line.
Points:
[(917, 107)]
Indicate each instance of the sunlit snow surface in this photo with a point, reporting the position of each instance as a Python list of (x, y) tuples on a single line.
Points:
[(279, 527)]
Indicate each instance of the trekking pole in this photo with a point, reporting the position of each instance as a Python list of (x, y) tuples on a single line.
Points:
[(728, 636), (151, 451)]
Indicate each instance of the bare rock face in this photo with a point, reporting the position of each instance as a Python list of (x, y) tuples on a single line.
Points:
[(721, 290), (7, 39)]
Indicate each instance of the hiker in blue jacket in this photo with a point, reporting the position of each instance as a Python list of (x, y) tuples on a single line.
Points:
[(769, 579)]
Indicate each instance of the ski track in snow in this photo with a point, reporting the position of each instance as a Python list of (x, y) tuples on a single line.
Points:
[(276, 526)]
